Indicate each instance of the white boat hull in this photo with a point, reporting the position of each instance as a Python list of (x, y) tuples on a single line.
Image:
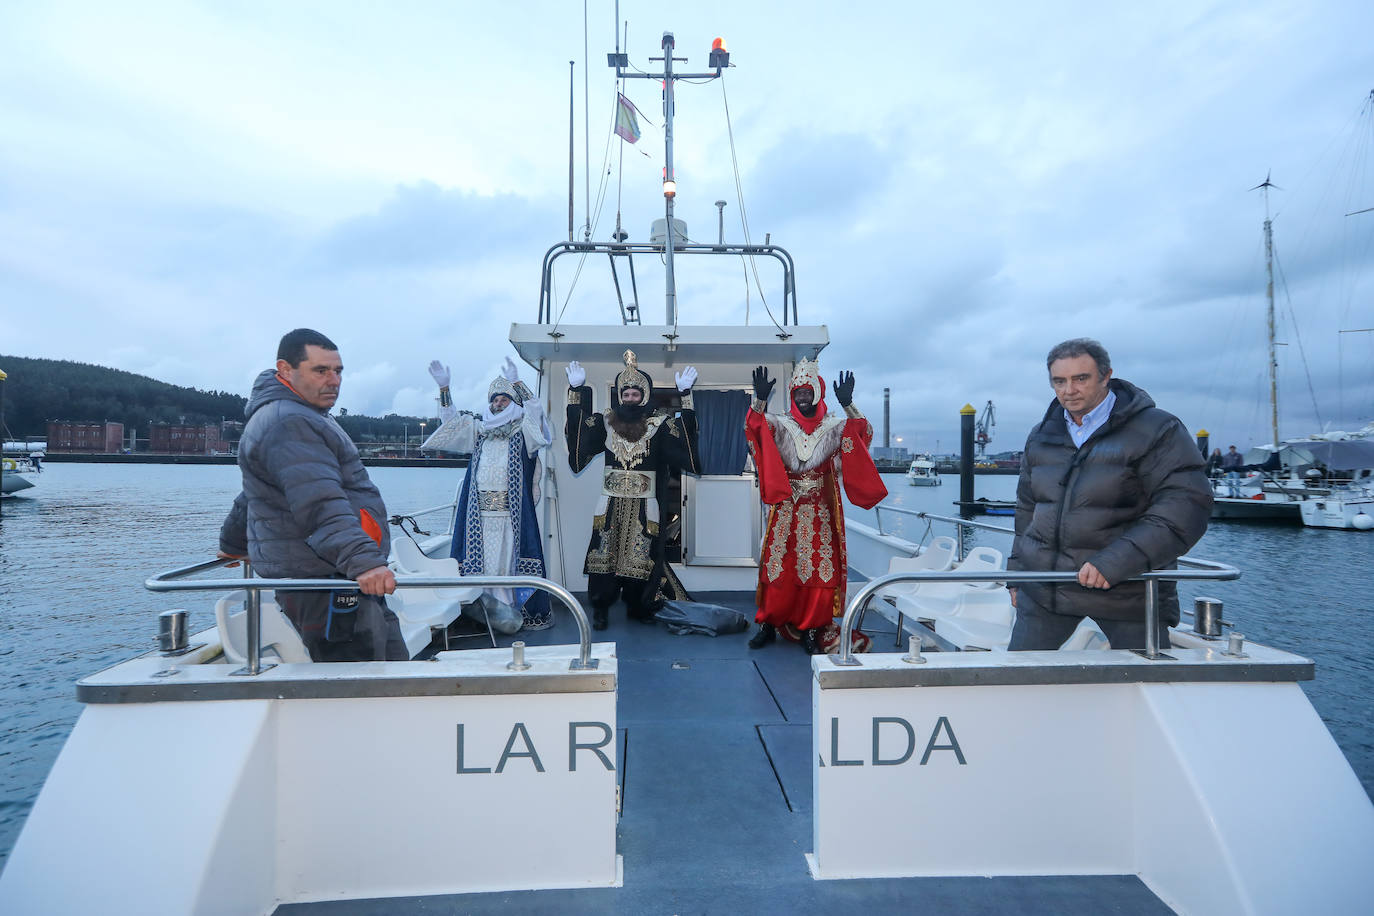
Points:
[(1175, 782), (240, 805), (1336, 512)]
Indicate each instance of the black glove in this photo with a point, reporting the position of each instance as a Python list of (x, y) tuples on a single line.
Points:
[(844, 389), (763, 385)]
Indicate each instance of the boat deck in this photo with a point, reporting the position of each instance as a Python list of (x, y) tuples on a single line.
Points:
[(716, 789)]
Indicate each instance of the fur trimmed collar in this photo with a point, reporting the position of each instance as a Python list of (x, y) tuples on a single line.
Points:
[(802, 451)]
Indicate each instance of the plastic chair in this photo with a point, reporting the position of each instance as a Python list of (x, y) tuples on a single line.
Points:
[(422, 611), (937, 599), (936, 557), (982, 619), (276, 633)]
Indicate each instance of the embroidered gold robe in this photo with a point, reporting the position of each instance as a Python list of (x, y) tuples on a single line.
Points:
[(804, 569), (627, 541)]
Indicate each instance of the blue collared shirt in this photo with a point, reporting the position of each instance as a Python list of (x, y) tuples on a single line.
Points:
[(1091, 420)]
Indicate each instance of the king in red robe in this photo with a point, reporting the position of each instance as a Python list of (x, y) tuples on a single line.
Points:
[(804, 457)]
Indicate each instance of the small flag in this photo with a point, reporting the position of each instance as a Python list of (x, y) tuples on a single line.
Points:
[(626, 124)]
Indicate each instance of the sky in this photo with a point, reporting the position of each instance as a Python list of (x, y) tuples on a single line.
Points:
[(961, 186)]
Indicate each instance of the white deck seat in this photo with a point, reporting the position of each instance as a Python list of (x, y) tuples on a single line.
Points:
[(1088, 636), (421, 611), (936, 557), (982, 618), (277, 635), (932, 600)]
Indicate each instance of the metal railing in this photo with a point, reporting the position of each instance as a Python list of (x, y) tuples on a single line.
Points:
[(1201, 569), (166, 582), (959, 524)]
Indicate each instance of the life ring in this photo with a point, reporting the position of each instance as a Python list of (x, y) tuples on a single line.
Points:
[(11, 464)]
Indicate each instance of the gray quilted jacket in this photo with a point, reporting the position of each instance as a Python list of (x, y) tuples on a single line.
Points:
[(1135, 497), (307, 501)]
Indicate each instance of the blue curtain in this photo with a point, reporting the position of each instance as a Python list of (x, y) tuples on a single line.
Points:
[(720, 430)]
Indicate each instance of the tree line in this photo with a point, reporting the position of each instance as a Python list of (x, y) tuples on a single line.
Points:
[(39, 390)]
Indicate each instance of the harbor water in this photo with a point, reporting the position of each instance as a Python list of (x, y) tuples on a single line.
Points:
[(74, 554)]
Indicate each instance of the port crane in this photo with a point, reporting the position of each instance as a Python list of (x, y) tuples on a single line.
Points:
[(982, 430)]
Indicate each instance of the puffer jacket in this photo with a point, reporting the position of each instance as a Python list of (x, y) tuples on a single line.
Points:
[(1135, 497), (308, 508)]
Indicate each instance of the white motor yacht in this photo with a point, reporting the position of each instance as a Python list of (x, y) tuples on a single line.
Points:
[(923, 473)]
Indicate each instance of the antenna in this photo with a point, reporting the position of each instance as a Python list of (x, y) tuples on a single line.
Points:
[(719, 59)]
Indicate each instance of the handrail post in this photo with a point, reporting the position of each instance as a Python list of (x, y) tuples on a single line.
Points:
[(253, 664), (1152, 618), (959, 534)]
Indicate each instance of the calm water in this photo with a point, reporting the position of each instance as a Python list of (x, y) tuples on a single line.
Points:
[(73, 557)]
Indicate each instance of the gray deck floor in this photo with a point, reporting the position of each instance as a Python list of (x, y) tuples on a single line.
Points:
[(716, 812)]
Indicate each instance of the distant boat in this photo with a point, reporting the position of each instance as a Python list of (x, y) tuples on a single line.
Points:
[(922, 473), (20, 474)]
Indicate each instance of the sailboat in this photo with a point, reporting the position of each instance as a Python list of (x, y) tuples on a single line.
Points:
[(1309, 480)]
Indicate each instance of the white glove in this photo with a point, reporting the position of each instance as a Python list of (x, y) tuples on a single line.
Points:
[(511, 373), (577, 376), (440, 373), (686, 378)]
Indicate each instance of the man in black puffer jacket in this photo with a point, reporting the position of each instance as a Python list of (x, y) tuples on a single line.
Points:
[(308, 509), (1111, 487)]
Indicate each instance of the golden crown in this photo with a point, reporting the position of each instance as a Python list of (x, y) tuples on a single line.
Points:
[(631, 377)]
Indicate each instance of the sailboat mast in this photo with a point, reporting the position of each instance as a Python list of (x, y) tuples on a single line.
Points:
[(1273, 356), (1269, 295)]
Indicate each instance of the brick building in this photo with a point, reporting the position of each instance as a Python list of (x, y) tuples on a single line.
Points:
[(76, 436), (199, 439)]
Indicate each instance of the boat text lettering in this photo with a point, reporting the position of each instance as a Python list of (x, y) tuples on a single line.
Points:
[(894, 743), (582, 736)]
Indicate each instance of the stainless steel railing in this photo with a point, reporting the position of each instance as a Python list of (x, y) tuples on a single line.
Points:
[(959, 524), (168, 582), (1201, 569)]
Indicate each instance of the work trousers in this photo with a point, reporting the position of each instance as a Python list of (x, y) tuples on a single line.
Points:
[(373, 635)]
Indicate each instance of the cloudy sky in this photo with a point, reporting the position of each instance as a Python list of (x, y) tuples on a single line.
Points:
[(961, 186)]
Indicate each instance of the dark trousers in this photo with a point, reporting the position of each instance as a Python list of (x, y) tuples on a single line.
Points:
[(1037, 628), (375, 635), (604, 588)]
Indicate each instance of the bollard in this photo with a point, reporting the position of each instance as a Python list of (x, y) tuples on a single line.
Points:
[(914, 656), (171, 632), (1235, 647), (517, 661), (1207, 617)]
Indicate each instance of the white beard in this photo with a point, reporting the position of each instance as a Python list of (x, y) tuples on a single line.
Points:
[(512, 414)]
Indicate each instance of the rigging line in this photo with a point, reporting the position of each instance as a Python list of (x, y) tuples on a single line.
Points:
[(743, 213), (605, 169), (1307, 371)]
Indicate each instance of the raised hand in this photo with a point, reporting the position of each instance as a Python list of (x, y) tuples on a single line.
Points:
[(763, 385), (686, 378), (577, 376), (511, 373), (439, 372), (844, 389)]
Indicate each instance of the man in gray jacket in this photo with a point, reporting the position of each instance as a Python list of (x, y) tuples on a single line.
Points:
[(1111, 487), (308, 509)]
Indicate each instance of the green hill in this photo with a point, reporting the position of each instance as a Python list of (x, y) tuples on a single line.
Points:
[(39, 390)]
